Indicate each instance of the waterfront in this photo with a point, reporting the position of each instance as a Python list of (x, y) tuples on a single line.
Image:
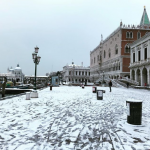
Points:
[(70, 117)]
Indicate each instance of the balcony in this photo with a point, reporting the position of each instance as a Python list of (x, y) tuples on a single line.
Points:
[(140, 63)]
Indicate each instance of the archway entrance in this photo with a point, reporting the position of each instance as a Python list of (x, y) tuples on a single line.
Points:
[(17, 79), (138, 74), (133, 75), (144, 76)]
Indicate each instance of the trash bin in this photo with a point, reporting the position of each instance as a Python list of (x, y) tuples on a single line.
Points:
[(99, 94), (27, 95), (134, 111), (94, 89), (50, 87)]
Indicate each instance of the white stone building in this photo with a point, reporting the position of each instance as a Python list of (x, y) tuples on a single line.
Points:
[(140, 60), (15, 73), (76, 73)]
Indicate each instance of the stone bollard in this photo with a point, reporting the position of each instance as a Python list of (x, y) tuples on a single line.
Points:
[(34, 94), (27, 95), (82, 86), (134, 111)]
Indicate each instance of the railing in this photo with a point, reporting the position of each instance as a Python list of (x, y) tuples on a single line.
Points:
[(129, 80), (139, 63), (120, 83)]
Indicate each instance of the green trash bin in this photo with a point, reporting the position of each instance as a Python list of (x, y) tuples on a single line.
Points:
[(134, 111), (99, 94)]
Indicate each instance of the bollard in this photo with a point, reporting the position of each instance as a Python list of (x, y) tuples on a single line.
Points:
[(27, 95), (82, 86), (94, 89), (51, 88), (34, 94), (99, 94), (134, 111)]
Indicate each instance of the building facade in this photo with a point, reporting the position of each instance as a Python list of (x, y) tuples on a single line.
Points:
[(140, 60), (76, 73), (112, 55), (14, 74)]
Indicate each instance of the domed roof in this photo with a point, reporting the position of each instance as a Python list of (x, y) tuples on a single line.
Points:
[(18, 68)]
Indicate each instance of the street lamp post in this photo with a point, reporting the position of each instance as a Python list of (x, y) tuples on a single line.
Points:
[(103, 77), (36, 60)]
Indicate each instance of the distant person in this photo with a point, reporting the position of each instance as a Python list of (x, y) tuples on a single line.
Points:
[(145, 84), (110, 85), (127, 84)]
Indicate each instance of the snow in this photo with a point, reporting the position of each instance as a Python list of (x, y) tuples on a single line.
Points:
[(134, 100), (69, 117)]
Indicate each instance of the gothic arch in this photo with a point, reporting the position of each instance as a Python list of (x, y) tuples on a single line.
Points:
[(127, 34), (133, 75), (138, 34), (144, 76), (104, 54), (131, 34), (127, 48), (116, 49)]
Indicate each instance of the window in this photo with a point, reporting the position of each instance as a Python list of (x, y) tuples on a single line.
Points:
[(133, 57), (139, 55), (104, 53), (127, 48), (116, 49), (98, 58), (76, 73), (79, 73), (82, 72), (69, 72), (138, 35), (127, 35), (145, 53), (109, 55), (131, 34)]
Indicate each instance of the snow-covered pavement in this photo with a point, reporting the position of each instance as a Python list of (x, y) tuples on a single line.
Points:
[(68, 118)]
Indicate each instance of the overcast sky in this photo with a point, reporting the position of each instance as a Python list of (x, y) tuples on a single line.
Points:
[(64, 30)]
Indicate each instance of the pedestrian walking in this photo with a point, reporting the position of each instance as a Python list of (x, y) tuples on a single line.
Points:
[(127, 84), (110, 85)]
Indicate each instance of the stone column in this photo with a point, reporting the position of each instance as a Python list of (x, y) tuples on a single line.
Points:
[(131, 57), (141, 77), (136, 75), (131, 74), (148, 49), (142, 52), (148, 76)]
